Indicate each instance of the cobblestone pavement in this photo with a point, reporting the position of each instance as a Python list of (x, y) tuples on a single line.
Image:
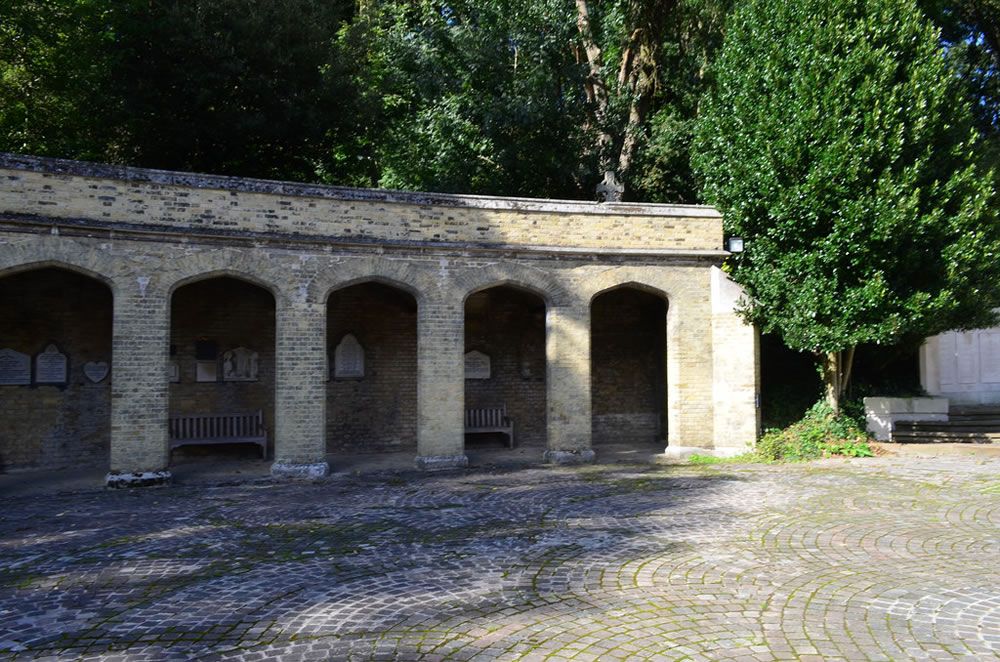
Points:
[(888, 558)]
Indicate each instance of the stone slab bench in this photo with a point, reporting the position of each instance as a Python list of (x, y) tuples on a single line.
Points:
[(490, 419), (219, 429)]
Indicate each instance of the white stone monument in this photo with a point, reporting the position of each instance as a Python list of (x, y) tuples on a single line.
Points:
[(963, 366), (349, 358), (51, 366), (15, 367), (240, 365), (477, 365)]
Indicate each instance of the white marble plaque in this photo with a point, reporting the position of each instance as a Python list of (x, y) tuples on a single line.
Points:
[(50, 366), (946, 359), (477, 365), (967, 357), (206, 371), (174, 368), (15, 367), (96, 371), (240, 365), (349, 358), (989, 356)]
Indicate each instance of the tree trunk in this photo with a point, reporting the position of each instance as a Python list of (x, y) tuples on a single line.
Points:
[(837, 368), (638, 76)]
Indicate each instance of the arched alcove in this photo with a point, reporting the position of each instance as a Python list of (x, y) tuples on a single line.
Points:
[(55, 369), (372, 349), (505, 362), (222, 357), (629, 368)]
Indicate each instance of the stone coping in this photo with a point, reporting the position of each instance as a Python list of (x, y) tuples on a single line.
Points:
[(250, 185)]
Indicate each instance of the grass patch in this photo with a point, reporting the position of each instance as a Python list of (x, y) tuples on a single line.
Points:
[(742, 458)]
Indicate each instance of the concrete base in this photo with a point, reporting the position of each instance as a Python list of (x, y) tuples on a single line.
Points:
[(441, 462), (137, 479), (684, 452), (300, 471), (585, 456), (882, 414)]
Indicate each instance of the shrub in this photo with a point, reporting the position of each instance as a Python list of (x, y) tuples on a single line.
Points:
[(820, 433)]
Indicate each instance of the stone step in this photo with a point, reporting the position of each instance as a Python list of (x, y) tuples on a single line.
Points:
[(920, 436)]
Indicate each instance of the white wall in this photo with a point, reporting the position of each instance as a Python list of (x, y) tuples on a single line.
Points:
[(962, 366)]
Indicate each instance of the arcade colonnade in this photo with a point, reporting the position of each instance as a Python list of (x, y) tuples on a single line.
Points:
[(146, 234)]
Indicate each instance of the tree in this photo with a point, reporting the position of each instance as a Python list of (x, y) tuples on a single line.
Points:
[(839, 144)]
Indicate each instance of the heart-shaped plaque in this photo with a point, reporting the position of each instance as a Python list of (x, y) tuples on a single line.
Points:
[(96, 371)]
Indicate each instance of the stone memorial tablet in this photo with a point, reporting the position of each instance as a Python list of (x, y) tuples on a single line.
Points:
[(96, 371), (206, 371), (15, 367), (50, 366), (477, 365), (349, 358), (240, 365)]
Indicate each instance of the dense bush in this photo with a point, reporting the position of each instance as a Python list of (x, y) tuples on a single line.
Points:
[(819, 434)]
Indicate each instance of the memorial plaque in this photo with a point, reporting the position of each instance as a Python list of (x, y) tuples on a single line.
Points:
[(206, 371), (50, 366), (349, 358), (989, 356), (967, 357), (96, 371), (175, 372), (15, 367), (240, 365), (477, 365), (946, 359)]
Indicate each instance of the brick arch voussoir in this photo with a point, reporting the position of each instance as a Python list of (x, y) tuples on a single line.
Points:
[(399, 275), (254, 270), (544, 286), (626, 279), (85, 263)]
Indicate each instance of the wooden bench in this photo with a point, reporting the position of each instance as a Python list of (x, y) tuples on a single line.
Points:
[(219, 429), (490, 419)]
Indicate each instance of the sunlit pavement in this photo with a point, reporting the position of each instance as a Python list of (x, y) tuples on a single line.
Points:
[(887, 558)]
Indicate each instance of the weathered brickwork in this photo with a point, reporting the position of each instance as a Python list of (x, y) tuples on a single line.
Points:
[(151, 235), (628, 348), (508, 325), (379, 410), (192, 203), (56, 425), (228, 313)]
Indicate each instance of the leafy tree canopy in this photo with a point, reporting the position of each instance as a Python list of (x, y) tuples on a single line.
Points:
[(840, 145)]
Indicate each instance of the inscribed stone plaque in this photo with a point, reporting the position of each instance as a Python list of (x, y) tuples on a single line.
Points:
[(967, 357), (96, 371), (240, 365), (349, 358), (175, 372), (15, 367), (50, 366), (206, 371), (477, 365), (946, 359), (989, 356)]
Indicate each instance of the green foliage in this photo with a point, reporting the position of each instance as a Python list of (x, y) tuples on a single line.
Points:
[(478, 96), (743, 458), (819, 434), (846, 157)]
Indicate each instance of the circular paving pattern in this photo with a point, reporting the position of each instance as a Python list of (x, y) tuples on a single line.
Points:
[(880, 559)]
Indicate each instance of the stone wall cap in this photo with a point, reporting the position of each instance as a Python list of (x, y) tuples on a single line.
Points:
[(68, 167)]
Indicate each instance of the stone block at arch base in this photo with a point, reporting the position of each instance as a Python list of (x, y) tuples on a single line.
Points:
[(582, 456), (118, 480), (300, 470), (441, 462), (678, 453)]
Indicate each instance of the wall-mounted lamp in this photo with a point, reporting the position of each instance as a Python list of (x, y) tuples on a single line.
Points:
[(734, 244)]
